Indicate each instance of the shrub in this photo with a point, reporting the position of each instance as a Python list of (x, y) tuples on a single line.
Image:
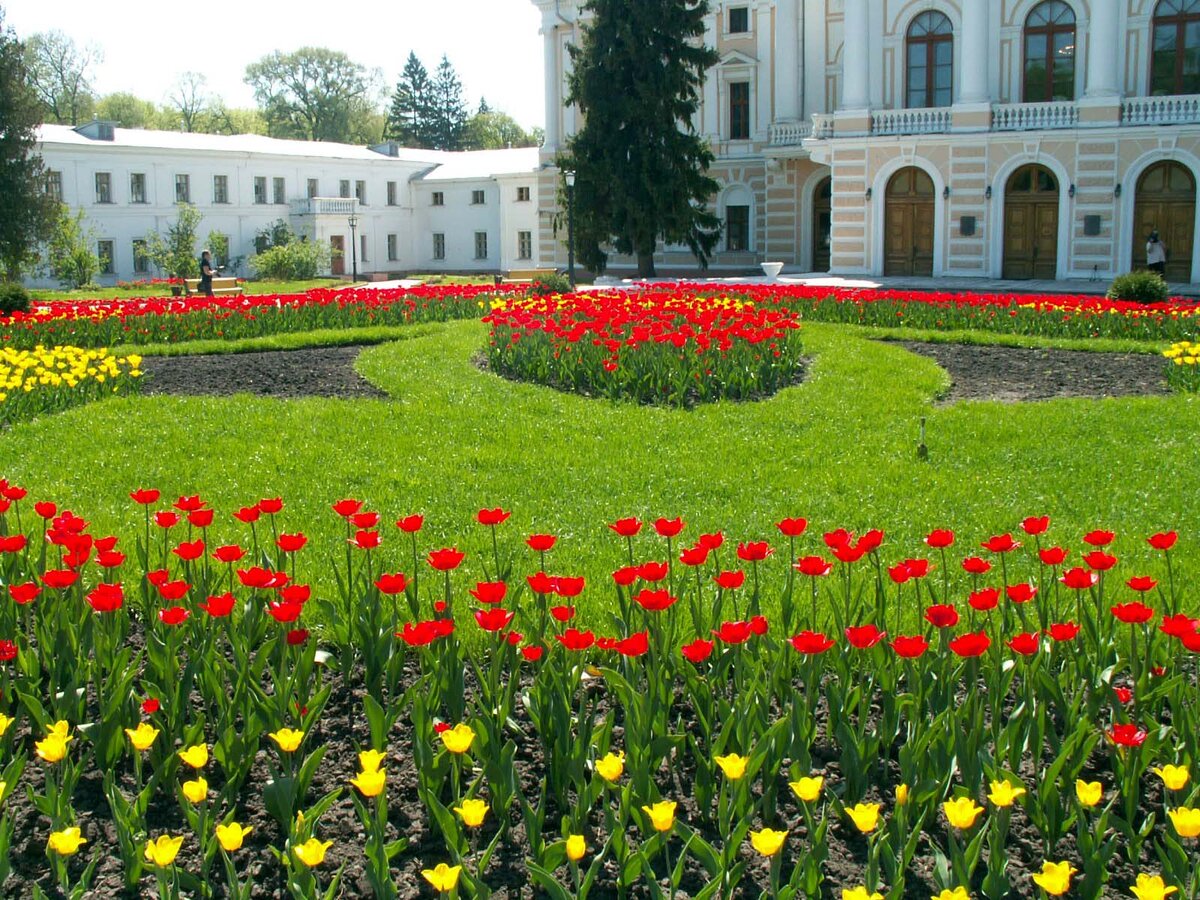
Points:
[(294, 261), (549, 284), (13, 298), (1139, 287)]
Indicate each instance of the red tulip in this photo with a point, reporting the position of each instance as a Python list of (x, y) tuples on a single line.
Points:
[(1078, 579), (285, 612), (261, 579), (59, 579), (493, 619), (1099, 538), (365, 519), (917, 568), (939, 539), (872, 540), (173, 590), (490, 592), (541, 583), (971, 644), (424, 633), (729, 581), (754, 551), (446, 559), (248, 514), (568, 587), (189, 551), (973, 565), (411, 524), (145, 496), (491, 516), (1127, 735), (694, 556), (652, 571), (541, 542), (697, 651), (942, 615), (839, 537), (863, 637), (109, 559), (625, 576), (106, 598), (1000, 543), (910, 647), (813, 566), (626, 527), (1164, 540), (189, 504), (635, 645), (13, 543), (668, 527), (270, 505), (366, 540), (173, 615), (734, 632), (532, 653), (151, 705), (8, 651), (1052, 556), (984, 600), (573, 639), (219, 606), (793, 528), (759, 625), (1100, 561), (1035, 525), (348, 507), (1141, 583), (1124, 694), (1179, 625), (45, 509), (562, 613), (296, 636), (295, 593), (811, 642), (1064, 631), (848, 553), (899, 573), (14, 493), (24, 593), (1191, 641), (1133, 613), (158, 577), (711, 541), (201, 518), (1021, 593), (391, 584), (1026, 644), (654, 601), (166, 519)]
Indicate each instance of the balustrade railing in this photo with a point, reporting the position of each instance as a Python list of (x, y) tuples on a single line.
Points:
[(1034, 116), (1176, 110), (934, 120)]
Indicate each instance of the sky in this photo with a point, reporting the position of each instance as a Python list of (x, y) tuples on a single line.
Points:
[(493, 44)]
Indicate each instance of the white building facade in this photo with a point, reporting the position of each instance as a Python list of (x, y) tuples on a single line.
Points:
[(413, 210), (989, 138)]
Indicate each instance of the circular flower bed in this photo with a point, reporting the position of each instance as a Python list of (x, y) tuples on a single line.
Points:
[(673, 348)]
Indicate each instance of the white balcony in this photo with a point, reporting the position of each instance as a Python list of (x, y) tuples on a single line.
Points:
[(789, 134), (1034, 116), (325, 206), (1181, 109), (934, 120)]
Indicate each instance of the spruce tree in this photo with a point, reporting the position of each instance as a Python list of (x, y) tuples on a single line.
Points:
[(641, 168), (449, 108), (410, 120)]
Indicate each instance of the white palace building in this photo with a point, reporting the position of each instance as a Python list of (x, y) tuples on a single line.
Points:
[(991, 138)]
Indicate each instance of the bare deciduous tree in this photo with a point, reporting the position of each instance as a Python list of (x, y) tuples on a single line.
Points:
[(60, 72)]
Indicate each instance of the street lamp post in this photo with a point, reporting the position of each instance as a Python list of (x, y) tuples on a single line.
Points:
[(570, 176), (353, 247)]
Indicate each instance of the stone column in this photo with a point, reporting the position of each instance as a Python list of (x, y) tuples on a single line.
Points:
[(553, 81), (787, 60), (976, 51), (856, 57), (1103, 66)]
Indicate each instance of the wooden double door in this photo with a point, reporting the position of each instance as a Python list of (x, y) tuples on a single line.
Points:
[(1166, 203), (1031, 224), (908, 224), (337, 254), (822, 225)]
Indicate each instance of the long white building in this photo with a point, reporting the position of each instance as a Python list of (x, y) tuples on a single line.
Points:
[(414, 210)]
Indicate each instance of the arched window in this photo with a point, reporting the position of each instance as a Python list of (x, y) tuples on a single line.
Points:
[(1050, 53), (930, 49), (1175, 59)]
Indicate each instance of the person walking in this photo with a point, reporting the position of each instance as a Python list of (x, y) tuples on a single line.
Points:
[(206, 274), (1156, 255)]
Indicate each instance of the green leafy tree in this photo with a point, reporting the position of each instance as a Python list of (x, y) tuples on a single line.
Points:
[(128, 111), (176, 255), (69, 253), (27, 214), (641, 168), (494, 130), (449, 108), (410, 119), (61, 74), (315, 94)]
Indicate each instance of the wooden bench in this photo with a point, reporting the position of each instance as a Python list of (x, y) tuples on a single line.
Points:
[(220, 286)]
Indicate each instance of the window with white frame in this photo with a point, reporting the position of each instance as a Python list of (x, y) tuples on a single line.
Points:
[(522, 195), (141, 260), (104, 187), (739, 19), (481, 245), (220, 189), (280, 190), (477, 198), (524, 245), (104, 250), (439, 245), (183, 188), (344, 188), (439, 199), (360, 191), (137, 187), (53, 185), (391, 193), (314, 188), (260, 189), (739, 110), (393, 247)]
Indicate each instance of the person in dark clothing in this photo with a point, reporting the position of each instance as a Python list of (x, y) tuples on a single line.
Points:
[(1156, 254), (206, 273)]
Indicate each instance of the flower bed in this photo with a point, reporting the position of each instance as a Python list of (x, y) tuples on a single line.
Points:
[(45, 380), (676, 348), (1183, 371), (804, 715)]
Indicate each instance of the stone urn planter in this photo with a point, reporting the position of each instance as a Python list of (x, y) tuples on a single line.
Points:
[(772, 270)]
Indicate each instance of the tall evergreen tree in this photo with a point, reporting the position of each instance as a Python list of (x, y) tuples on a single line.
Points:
[(27, 213), (641, 168), (449, 108), (410, 120)]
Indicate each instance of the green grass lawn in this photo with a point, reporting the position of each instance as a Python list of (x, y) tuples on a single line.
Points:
[(839, 449), (162, 290)]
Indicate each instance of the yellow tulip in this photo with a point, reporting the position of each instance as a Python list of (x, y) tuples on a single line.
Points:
[(66, 842), (458, 739), (444, 878), (1005, 793), (162, 851), (472, 812), (196, 791), (612, 766), (865, 816), (196, 757), (902, 795), (312, 852), (1151, 887), (5, 721), (733, 766), (576, 847), (767, 842), (959, 893), (662, 814), (370, 782), (961, 812), (231, 836), (1089, 793), (1055, 878), (1186, 821), (143, 736), (1174, 778), (860, 893), (287, 739), (808, 789), (371, 760), (53, 747)]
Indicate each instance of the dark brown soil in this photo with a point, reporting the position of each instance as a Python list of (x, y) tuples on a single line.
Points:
[(311, 372), (1015, 374)]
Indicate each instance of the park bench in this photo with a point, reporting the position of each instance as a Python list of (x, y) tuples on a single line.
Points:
[(220, 286)]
